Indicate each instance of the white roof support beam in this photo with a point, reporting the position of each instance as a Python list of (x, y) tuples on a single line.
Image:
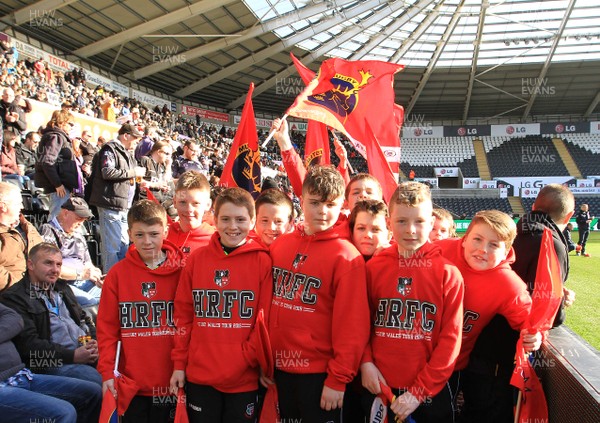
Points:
[(441, 44), (253, 32), (37, 10), (164, 21), (592, 106), (391, 28), (546, 65), (477, 45), (279, 46), (336, 41), (416, 34)]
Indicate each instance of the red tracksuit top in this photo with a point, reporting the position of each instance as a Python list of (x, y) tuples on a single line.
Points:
[(190, 241), (416, 309), (216, 306), (136, 307), (487, 293), (319, 318)]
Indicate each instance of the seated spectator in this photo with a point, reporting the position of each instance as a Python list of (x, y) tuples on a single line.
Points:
[(158, 168), (77, 269), (17, 236), (25, 396), (56, 328), (8, 159), (188, 160), (26, 152), (12, 116), (570, 243)]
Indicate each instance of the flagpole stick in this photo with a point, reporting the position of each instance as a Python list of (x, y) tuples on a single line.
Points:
[(264, 144), (117, 357)]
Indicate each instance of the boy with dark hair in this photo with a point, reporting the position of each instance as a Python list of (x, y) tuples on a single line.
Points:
[(416, 306), (192, 200), (136, 308), (319, 319), (274, 216), (221, 290), (362, 186)]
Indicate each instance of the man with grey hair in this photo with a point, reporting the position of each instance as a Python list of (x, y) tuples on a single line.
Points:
[(17, 236), (12, 115)]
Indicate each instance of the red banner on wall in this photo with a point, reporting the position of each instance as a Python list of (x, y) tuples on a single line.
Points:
[(204, 114)]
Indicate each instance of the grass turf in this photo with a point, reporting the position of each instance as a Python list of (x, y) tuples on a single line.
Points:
[(583, 316)]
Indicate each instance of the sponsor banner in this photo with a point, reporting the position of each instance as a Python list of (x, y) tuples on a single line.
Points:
[(446, 172), (471, 182), (537, 182), (467, 130), (488, 184), (149, 98), (594, 127), (96, 79), (585, 183), (516, 130), (589, 190), (56, 63), (298, 126), (204, 114), (503, 192), (41, 113), (564, 128), (29, 51), (260, 123), (423, 132), (432, 182), (530, 192)]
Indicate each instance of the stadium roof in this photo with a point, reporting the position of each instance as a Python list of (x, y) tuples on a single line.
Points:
[(466, 60)]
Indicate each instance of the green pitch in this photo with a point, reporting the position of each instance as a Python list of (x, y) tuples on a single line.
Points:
[(583, 317)]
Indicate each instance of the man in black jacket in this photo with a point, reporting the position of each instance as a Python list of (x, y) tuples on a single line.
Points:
[(113, 186), (58, 336), (12, 116), (583, 219), (24, 396)]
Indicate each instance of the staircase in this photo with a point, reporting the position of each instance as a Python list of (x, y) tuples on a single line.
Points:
[(481, 159), (566, 158), (516, 206)]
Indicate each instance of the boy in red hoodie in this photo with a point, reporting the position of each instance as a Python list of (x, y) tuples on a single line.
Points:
[(484, 256), (274, 216), (319, 322), (221, 290), (416, 306), (136, 308), (192, 200)]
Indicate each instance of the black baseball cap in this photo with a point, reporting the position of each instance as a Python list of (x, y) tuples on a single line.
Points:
[(79, 207), (130, 129)]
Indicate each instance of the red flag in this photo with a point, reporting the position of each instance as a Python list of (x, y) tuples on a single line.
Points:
[(126, 390), (378, 165), (181, 415), (346, 93), (243, 164), (108, 413), (546, 297), (316, 149)]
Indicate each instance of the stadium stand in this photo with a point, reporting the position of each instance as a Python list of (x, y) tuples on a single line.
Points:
[(467, 207), (532, 155), (422, 155), (585, 150)]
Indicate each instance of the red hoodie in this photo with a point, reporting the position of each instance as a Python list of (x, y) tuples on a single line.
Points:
[(487, 293), (190, 241), (416, 304), (136, 308), (217, 303), (320, 316)]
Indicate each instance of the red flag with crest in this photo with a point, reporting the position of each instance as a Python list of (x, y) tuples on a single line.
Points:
[(243, 164), (316, 149), (546, 298), (346, 93)]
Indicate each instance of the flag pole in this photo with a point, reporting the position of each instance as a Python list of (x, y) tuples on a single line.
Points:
[(117, 357), (264, 144)]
